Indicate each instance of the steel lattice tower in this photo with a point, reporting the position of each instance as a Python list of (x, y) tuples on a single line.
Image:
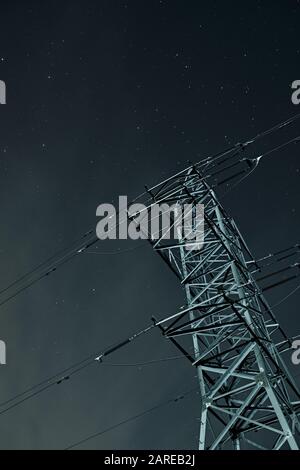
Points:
[(247, 396)]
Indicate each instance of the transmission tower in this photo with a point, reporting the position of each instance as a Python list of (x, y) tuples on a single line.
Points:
[(248, 399), (227, 329)]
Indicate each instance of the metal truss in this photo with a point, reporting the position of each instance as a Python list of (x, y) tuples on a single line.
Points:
[(248, 399)]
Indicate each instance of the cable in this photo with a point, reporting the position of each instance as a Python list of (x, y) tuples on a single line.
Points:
[(140, 364), (117, 252), (286, 297), (81, 248), (69, 252), (38, 392), (279, 147), (77, 367), (257, 160), (40, 277), (245, 144), (69, 255), (74, 369), (238, 182), (295, 252), (29, 273), (59, 376), (60, 262), (133, 418)]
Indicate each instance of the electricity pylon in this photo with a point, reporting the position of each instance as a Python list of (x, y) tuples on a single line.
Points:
[(248, 399)]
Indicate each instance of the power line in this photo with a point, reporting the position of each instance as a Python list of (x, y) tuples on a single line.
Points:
[(116, 252), (41, 390), (64, 256), (68, 254), (48, 260), (286, 297), (133, 418), (245, 144), (74, 369), (51, 264), (256, 162), (146, 363)]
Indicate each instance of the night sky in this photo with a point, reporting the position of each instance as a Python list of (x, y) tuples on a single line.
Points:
[(104, 97)]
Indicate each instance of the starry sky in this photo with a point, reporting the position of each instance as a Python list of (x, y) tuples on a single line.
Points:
[(104, 97)]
